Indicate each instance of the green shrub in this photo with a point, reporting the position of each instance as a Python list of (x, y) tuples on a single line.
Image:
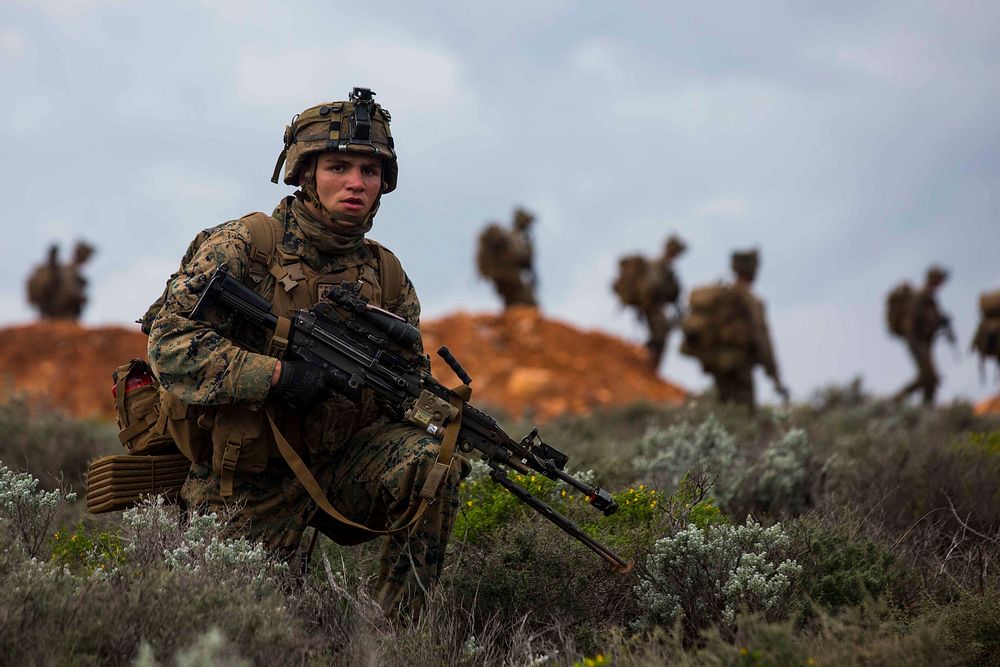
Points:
[(842, 568), (972, 629), (783, 479), (83, 550), (667, 455), (53, 447), (27, 511), (703, 578)]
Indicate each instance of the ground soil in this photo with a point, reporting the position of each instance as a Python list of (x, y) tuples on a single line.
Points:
[(521, 363), (989, 405)]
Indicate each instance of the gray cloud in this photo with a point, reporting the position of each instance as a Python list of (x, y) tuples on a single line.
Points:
[(854, 144)]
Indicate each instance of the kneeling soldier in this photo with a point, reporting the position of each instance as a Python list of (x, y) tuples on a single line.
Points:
[(229, 398)]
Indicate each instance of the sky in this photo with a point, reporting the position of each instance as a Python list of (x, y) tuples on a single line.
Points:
[(853, 143)]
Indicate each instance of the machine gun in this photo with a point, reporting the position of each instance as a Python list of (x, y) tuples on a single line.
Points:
[(364, 347)]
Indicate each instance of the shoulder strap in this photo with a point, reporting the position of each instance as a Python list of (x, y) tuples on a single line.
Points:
[(390, 272), (264, 234)]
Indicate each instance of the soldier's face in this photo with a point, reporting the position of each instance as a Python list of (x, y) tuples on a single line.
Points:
[(348, 184)]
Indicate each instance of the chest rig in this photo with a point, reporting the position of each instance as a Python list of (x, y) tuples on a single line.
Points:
[(296, 285)]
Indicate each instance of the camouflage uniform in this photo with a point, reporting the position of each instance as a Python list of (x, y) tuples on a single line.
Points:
[(735, 383), (58, 290), (216, 381), (925, 322), (506, 256)]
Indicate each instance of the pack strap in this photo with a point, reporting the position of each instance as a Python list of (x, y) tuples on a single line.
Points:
[(139, 426), (264, 233), (318, 496), (390, 273)]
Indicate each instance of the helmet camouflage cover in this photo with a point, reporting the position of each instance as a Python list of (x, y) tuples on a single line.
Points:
[(358, 125)]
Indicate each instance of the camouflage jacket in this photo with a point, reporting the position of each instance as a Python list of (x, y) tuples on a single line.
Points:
[(205, 365), (764, 350), (926, 318)]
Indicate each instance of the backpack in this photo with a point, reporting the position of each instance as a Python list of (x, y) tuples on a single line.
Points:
[(719, 328), (899, 310), (492, 252), (986, 341), (645, 283), (148, 419), (42, 285)]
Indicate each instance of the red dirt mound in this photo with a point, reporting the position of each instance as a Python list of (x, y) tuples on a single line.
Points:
[(524, 364), (519, 361), (65, 364), (989, 406)]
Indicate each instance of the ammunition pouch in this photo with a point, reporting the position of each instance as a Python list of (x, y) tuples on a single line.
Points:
[(240, 443)]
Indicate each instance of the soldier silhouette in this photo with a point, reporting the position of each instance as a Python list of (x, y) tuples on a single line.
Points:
[(506, 258), (59, 291), (652, 288)]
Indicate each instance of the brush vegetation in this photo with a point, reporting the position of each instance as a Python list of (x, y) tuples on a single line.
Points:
[(845, 531)]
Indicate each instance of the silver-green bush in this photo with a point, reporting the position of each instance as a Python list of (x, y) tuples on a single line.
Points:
[(700, 578)]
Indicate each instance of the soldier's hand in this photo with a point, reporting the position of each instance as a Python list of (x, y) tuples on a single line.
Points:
[(300, 384)]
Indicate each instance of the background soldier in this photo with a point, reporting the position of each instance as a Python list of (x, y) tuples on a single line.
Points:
[(57, 290), (506, 257), (923, 322), (651, 287), (358, 460), (726, 329)]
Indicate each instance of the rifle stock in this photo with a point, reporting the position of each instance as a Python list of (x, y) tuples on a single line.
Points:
[(366, 347)]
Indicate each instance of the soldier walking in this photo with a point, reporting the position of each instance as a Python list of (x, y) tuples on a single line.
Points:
[(652, 288), (921, 322), (726, 330), (506, 258)]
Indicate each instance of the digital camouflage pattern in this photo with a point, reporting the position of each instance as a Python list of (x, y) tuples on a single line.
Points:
[(372, 466), (376, 482), (201, 365)]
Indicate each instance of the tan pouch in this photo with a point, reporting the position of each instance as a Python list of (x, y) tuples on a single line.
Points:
[(329, 425), (141, 422), (190, 426), (239, 443)]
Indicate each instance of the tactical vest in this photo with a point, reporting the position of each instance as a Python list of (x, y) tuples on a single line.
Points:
[(236, 437)]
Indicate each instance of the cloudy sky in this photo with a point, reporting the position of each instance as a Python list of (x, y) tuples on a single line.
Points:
[(854, 144)]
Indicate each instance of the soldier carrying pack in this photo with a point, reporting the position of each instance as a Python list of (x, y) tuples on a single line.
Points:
[(650, 286), (506, 258), (986, 341), (726, 331)]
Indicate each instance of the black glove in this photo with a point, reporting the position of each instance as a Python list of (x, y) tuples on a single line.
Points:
[(301, 385)]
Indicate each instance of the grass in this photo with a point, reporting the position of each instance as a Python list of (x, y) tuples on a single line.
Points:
[(891, 515)]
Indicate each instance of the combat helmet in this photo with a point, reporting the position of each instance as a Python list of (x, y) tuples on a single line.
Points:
[(745, 263), (522, 218), (358, 125), (675, 246), (936, 274)]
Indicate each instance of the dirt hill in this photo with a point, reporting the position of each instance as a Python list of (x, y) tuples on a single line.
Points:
[(520, 362), (990, 405)]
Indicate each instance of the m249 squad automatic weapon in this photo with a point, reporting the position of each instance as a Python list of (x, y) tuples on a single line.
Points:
[(362, 346)]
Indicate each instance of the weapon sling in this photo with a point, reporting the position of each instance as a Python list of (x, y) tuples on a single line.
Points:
[(428, 493)]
